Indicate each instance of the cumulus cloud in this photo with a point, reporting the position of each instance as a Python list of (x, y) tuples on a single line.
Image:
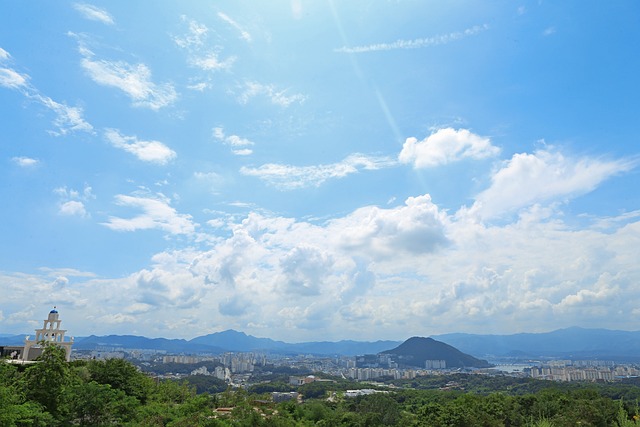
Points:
[(94, 13), (73, 208), (156, 214), (446, 146), (417, 227), (287, 177), (543, 176), (72, 202), (415, 43), (25, 162), (147, 151), (252, 89), (375, 270)]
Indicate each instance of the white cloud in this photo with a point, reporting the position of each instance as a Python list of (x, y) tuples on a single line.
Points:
[(234, 141), (446, 146), (73, 208), (147, 151), (243, 33), (25, 162), (243, 152), (286, 177), (94, 13), (195, 36), (68, 119), (72, 201), (134, 80), (200, 55), (374, 273), (415, 43), (549, 31), (200, 87), (211, 62), (416, 227), (11, 79), (543, 176), (156, 214), (278, 97)]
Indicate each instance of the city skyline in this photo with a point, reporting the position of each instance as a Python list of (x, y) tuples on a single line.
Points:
[(312, 171)]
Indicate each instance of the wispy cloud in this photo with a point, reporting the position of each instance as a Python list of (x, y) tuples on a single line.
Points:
[(25, 162), (287, 177), (243, 33), (211, 62), (133, 79), (278, 97), (147, 151), (195, 35), (544, 176), (11, 79), (234, 141), (94, 13), (194, 41), (549, 31), (446, 146), (68, 119), (200, 87), (157, 213), (415, 43)]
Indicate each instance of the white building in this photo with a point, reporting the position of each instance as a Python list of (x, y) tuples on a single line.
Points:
[(50, 333)]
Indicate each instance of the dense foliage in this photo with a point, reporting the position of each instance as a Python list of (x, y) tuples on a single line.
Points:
[(113, 392)]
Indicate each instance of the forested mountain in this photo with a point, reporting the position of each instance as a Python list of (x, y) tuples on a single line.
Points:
[(417, 350)]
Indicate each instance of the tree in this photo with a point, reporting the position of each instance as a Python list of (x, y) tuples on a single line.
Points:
[(46, 382), (93, 404), (121, 375)]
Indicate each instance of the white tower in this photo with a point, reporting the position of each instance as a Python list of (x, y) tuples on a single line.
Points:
[(49, 333)]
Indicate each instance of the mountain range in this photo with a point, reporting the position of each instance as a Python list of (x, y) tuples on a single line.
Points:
[(576, 343), (570, 343)]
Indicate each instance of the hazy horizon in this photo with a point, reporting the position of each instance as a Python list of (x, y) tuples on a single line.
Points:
[(310, 171)]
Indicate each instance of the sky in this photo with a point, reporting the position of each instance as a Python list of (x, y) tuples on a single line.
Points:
[(319, 170)]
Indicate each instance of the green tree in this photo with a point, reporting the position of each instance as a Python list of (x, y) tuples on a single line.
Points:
[(121, 375), (46, 381), (93, 404)]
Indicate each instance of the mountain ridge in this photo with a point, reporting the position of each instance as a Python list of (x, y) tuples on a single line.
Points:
[(574, 342)]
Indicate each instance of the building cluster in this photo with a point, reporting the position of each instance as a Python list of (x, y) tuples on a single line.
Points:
[(582, 371)]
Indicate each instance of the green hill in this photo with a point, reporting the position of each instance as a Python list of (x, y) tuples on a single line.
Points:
[(417, 350)]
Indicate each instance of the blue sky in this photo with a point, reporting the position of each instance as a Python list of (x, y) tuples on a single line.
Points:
[(319, 170)]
